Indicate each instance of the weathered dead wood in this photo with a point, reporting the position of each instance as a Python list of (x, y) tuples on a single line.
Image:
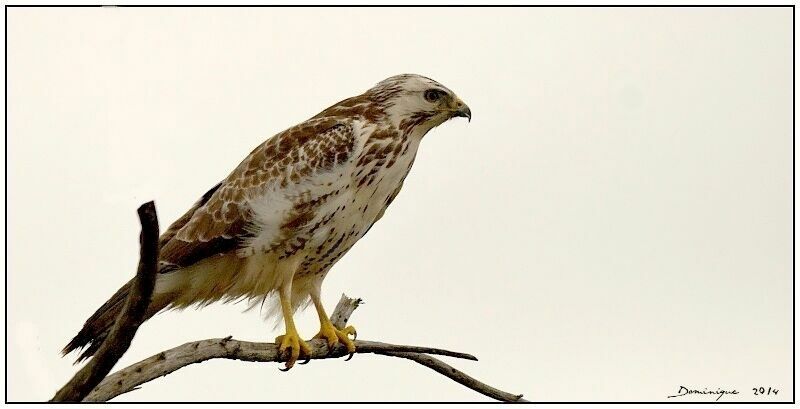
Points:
[(89, 385), (166, 362), (455, 375), (121, 335)]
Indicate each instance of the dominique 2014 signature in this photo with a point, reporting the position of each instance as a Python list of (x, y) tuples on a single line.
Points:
[(720, 392)]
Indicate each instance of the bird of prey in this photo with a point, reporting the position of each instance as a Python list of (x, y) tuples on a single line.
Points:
[(291, 209)]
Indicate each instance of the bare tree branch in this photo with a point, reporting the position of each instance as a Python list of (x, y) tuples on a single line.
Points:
[(128, 321), (164, 363), (88, 384), (455, 375), (344, 309)]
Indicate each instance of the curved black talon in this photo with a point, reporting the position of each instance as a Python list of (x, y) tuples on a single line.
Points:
[(288, 354), (305, 362), (350, 357), (355, 335)]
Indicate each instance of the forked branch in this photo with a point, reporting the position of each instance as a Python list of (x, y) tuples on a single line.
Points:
[(164, 363), (121, 335), (86, 385)]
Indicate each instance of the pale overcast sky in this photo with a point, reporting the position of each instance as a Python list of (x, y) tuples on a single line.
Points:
[(616, 220)]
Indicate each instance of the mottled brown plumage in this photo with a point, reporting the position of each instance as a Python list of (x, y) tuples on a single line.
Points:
[(294, 206)]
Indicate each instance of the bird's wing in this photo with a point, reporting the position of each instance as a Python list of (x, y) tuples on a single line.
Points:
[(220, 221)]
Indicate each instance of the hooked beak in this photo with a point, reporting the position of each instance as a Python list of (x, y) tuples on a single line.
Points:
[(462, 110)]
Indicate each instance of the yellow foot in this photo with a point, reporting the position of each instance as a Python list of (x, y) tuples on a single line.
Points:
[(332, 335), (294, 345)]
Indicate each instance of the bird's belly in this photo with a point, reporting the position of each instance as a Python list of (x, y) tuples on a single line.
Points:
[(351, 215)]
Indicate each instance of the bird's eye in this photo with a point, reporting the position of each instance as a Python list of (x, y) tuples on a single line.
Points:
[(432, 95)]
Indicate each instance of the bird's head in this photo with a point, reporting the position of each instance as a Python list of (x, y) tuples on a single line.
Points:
[(416, 104)]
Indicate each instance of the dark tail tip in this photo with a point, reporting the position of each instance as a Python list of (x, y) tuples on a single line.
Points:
[(96, 328), (89, 344)]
